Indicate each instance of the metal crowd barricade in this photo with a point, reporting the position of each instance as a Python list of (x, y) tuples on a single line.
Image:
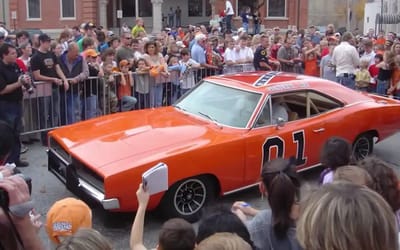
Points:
[(236, 68), (50, 106)]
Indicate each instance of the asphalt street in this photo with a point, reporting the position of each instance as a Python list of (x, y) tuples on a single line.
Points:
[(47, 189)]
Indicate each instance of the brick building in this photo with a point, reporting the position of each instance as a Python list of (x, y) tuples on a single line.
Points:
[(52, 15)]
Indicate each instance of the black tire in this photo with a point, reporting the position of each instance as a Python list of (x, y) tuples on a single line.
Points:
[(363, 146), (187, 198)]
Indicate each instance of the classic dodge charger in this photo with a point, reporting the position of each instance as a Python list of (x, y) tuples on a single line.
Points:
[(215, 139)]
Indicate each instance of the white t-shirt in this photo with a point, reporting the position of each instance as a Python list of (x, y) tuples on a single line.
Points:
[(229, 8), (346, 58), (244, 53)]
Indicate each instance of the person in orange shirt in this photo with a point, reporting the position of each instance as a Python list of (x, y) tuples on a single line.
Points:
[(310, 58), (381, 39), (125, 98)]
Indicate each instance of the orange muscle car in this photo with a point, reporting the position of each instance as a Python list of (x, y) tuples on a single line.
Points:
[(216, 138)]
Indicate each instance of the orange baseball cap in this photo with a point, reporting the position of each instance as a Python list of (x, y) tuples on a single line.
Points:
[(91, 53), (66, 216)]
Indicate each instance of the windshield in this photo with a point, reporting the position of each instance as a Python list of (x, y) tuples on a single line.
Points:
[(221, 104)]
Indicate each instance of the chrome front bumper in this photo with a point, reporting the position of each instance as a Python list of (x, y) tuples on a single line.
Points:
[(66, 172)]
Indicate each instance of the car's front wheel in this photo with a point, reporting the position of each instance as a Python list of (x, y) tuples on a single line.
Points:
[(363, 146), (186, 198)]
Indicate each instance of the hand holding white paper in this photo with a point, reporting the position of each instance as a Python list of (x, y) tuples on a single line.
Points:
[(155, 180)]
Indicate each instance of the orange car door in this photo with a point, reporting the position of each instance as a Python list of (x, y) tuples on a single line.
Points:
[(267, 141)]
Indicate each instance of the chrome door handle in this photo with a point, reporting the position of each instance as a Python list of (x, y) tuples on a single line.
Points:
[(319, 130)]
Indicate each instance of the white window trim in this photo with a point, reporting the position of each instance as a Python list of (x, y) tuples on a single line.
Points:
[(276, 17), (67, 18), (27, 12)]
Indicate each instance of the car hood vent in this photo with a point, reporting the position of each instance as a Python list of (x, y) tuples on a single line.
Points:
[(264, 79)]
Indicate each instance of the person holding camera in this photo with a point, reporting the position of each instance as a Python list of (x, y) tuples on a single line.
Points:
[(18, 224), (12, 83)]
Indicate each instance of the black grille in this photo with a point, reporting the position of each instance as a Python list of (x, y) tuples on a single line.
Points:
[(56, 147), (88, 175)]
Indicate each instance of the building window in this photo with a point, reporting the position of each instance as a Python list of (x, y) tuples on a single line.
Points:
[(67, 9), (276, 8), (195, 7), (33, 9), (128, 8), (145, 8), (208, 9)]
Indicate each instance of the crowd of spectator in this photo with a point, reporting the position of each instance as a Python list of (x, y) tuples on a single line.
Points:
[(92, 71)]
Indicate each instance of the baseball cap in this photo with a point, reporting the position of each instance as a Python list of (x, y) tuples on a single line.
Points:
[(44, 38), (66, 216), (180, 44), (91, 53), (89, 25)]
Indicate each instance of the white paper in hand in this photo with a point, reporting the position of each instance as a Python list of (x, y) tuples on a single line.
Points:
[(155, 180)]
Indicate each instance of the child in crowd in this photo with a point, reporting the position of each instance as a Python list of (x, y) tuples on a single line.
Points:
[(91, 86), (187, 77), (310, 58), (142, 85), (126, 100), (336, 152), (327, 69), (363, 78), (373, 71), (111, 100), (174, 69)]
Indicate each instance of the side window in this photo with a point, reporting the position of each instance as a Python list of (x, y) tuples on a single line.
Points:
[(264, 118), (289, 106), (319, 103)]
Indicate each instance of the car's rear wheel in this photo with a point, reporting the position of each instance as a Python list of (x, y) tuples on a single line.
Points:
[(363, 146), (186, 198)]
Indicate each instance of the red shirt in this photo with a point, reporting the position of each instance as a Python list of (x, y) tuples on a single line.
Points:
[(21, 65), (373, 71), (324, 52)]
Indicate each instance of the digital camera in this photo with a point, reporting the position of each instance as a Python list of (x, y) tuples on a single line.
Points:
[(4, 198), (28, 85)]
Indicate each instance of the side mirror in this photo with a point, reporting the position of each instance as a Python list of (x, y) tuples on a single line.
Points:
[(280, 122)]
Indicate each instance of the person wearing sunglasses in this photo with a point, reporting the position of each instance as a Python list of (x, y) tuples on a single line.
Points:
[(124, 51)]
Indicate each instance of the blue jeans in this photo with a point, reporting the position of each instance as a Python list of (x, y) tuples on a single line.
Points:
[(11, 113), (346, 81), (381, 87), (156, 95), (89, 107), (70, 108), (229, 22), (246, 27), (256, 28), (128, 103), (49, 110)]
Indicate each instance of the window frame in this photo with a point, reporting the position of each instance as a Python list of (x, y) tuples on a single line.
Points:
[(202, 6), (28, 12), (61, 11), (276, 17), (134, 8), (142, 10)]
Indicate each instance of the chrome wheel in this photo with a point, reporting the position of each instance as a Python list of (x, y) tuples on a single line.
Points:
[(362, 147), (190, 196)]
